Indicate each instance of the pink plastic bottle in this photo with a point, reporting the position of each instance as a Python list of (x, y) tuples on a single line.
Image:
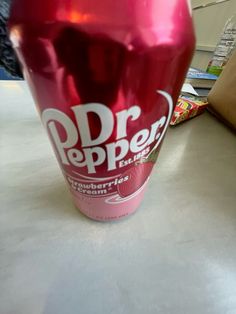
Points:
[(105, 76)]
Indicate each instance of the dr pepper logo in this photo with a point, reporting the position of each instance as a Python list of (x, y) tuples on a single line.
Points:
[(94, 152)]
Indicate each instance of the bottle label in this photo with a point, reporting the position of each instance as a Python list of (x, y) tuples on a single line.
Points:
[(94, 140)]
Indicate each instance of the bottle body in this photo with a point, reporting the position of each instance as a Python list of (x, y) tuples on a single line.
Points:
[(224, 48), (105, 79)]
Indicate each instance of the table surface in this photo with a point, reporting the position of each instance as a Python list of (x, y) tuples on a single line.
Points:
[(176, 255)]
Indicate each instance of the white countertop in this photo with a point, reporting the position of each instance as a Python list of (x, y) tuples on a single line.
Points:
[(176, 255)]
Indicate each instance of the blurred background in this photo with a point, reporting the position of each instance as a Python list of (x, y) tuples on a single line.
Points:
[(209, 22)]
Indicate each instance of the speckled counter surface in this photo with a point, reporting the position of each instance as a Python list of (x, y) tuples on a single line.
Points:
[(176, 255)]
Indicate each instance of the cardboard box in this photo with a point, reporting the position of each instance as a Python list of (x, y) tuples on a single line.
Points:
[(222, 97)]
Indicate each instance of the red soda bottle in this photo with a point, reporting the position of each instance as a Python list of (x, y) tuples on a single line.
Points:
[(104, 76)]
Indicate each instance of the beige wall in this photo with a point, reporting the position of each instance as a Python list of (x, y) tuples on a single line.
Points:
[(209, 23)]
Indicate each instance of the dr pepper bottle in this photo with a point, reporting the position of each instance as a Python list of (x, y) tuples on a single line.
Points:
[(105, 76)]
